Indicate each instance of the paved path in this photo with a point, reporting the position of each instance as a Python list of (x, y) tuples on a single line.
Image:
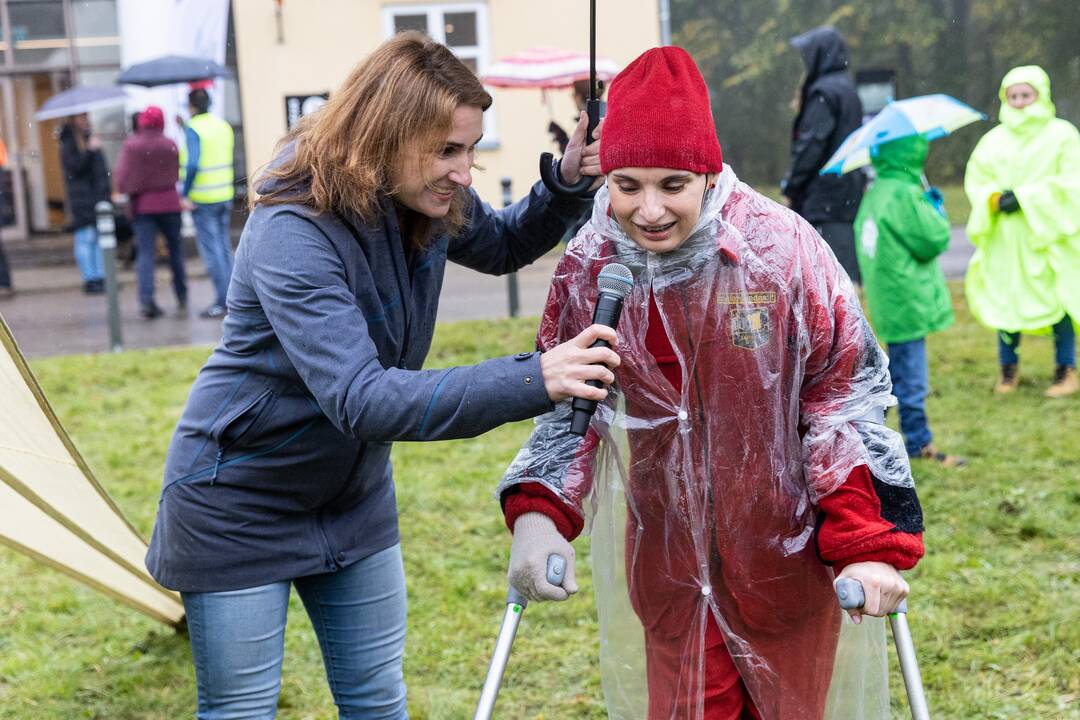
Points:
[(51, 316)]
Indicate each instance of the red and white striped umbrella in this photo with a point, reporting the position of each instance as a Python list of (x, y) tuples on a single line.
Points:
[(546, 67)]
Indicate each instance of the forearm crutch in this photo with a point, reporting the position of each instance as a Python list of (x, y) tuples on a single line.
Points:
[(850, 594), (515, 605)]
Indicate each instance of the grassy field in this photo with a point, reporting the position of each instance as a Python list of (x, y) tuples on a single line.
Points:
[(995, 605)]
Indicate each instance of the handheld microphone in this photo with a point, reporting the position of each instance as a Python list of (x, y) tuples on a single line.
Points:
[(614, 283)]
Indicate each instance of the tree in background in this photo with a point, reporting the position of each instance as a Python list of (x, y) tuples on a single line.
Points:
[(960, 47)]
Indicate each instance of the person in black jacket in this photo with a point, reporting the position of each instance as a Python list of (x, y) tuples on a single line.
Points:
[(828, 111), (86, 175)]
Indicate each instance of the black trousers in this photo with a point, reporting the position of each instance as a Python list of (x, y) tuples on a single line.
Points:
[(5, 271), (146, 228), (840, 236)]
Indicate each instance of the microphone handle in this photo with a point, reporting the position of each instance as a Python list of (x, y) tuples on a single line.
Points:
[(607, 311)]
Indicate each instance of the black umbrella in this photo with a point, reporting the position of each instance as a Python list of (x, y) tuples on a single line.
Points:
[(172, 70), (549, 172)]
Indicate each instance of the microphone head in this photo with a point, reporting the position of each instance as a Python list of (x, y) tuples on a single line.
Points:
[(615, 278)]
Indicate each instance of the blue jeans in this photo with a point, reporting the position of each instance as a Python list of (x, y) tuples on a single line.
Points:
[(238, 641), (88, 254), (215, 245), (910, 373), (1064, 344), (146, 228)]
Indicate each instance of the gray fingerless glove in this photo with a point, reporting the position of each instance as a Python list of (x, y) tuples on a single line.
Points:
[(535, 538)]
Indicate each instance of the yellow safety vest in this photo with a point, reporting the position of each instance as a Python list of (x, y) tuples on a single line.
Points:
[(214, 179)]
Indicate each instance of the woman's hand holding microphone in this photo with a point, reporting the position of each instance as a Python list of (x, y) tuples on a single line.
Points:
[(566, 367)]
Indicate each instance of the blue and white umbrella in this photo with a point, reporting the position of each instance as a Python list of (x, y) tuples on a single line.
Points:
[(932, 116), (79, 100)]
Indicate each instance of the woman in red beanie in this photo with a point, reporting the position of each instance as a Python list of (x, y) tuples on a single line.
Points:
[(147, 171), (741, 465)]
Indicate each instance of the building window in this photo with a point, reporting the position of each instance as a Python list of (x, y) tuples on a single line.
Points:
[(462, 27)]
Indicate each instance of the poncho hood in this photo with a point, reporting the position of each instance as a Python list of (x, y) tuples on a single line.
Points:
[(902, 159), (700, 244), (1035, 115)]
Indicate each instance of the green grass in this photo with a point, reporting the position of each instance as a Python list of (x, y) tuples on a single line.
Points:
[(956, 203), (995, 605)]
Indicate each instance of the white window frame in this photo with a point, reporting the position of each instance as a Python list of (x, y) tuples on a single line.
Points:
[(481, 52)]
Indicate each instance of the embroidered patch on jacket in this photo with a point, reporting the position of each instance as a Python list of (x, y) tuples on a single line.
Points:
[(749, 298), (750, 327)]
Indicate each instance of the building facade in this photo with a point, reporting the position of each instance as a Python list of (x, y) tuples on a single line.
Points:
[(48, 46), (293, 52)]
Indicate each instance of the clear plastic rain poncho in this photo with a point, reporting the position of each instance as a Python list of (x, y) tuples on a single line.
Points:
[(701, 503)]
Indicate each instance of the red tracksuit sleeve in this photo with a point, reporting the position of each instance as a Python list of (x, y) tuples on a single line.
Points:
[(865, 520), (560, 321)]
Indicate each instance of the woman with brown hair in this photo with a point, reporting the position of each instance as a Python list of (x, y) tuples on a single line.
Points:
[(278, 473)]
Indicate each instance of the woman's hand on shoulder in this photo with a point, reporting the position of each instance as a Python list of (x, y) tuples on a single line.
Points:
[(566, 367)]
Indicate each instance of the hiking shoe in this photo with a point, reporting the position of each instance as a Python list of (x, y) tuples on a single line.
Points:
[(1065, 382), (213, 312), (1010, 379), (149, 312), (93, 287), (929, 452)]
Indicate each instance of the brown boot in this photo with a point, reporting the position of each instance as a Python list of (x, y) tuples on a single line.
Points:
[(1010, 379), (929, 452), (1065, 382)]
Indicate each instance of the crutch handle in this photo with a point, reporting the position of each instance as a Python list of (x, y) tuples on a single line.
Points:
[(850, 594), (515, 605), (556, 573)]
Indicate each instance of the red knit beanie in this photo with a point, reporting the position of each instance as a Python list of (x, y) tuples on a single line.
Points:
[(658, 115), (152, 117)]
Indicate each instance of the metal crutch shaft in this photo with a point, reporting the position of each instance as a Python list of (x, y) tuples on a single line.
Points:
[(515, 606), (850, 594)]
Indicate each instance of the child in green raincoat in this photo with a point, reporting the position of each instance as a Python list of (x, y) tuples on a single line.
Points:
[(900, 231), (1023, 180)]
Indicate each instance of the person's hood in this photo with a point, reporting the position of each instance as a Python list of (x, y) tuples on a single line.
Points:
[(823, 51), (1035, 115), (152, 117), (903, 158)]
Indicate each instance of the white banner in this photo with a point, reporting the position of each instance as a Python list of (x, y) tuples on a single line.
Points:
[(152, 28)]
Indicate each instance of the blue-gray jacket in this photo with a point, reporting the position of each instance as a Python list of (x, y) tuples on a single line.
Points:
[(279, 467)]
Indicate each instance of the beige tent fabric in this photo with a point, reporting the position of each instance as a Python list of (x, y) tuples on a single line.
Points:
[(51, 506)]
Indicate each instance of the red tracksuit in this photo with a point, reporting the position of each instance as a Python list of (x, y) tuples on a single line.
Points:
[(738, 369)]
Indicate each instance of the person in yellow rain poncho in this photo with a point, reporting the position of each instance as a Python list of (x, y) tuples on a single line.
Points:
[(1023, 180)]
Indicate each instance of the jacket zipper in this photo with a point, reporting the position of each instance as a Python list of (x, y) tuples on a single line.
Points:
[(331, 562), (404, 272), (224, 447)]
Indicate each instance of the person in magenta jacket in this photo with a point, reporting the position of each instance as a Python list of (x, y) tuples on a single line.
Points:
[(147, 171)]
